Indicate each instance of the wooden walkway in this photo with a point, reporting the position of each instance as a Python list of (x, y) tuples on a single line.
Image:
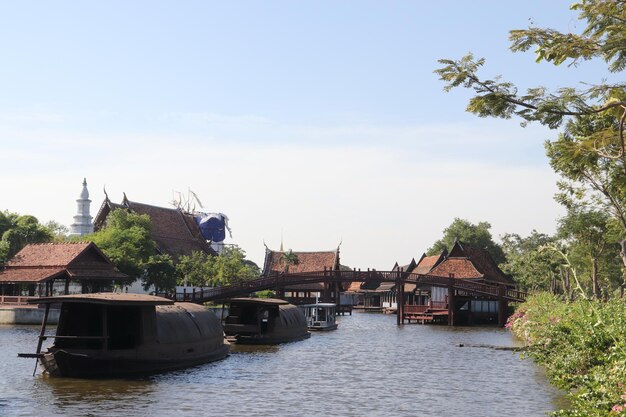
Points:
[(278, 281)]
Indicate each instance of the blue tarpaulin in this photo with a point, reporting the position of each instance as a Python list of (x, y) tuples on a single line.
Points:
[(212, 226)]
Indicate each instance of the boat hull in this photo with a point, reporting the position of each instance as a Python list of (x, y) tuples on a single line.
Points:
[(324, 328), (61, 363), (267, 339)]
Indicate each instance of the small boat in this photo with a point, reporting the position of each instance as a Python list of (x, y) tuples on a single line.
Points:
[(264, 321), (111, 334), (320, 316)]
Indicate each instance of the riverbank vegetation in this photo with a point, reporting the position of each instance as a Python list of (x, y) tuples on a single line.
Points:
[(582, 346)]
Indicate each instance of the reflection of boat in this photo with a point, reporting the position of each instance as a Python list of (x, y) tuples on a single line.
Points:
[(109, 334), (320, 316), (264, 321)]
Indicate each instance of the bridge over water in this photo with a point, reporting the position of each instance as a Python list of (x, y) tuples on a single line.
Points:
[(278, 281)]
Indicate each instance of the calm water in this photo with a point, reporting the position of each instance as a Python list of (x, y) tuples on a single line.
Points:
[(368, 367)]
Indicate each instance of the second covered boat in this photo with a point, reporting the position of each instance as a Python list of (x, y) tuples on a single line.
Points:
[(264, 321)]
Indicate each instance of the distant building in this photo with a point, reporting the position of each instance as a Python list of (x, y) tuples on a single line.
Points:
[(82, 220), (175, 232), (275, 262), (47, 269)]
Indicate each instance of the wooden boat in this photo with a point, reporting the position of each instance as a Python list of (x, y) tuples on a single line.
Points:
[(264, 321), (110, 334), (320, 316)]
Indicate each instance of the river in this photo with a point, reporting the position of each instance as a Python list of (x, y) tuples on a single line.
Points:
[(368, 367)]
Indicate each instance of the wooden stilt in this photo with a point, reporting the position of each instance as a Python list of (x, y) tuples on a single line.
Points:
[(502, 307), (451, 302), (42, 334)]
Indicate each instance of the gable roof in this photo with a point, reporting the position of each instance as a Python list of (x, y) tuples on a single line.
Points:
[(175, 232), (45, 261), (307, 261), (427, 263), (467, 262)]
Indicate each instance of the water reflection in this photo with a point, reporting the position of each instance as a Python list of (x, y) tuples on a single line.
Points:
[(368, 367)]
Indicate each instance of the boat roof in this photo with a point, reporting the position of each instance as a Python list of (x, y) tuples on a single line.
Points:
[(319, 305), (104, 298), (265, 301)]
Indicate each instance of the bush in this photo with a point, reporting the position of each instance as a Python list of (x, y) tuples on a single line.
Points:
[(582, 345)]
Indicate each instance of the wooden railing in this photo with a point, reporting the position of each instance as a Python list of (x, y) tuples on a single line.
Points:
[(15, 299), (280, 280)]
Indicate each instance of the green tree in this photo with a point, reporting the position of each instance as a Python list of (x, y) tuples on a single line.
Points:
[(195, 270), (231, 266), (160, 272), (201, 270), (126, 240), (19, 231), (588, 234), (532, 266), (477, 235), (590, 154), (289, 258)]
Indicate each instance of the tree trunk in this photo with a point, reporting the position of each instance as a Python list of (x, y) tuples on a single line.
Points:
[(566, 284), (594, 278), (622, 255)]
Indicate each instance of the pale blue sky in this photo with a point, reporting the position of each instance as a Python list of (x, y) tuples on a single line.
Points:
[(320, 119)]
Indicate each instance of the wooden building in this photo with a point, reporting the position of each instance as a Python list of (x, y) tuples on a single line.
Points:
[(464, 262), (49, 269), (175, 232), (277, 262)]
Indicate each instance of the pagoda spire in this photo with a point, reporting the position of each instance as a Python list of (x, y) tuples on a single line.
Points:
[(82, 220)]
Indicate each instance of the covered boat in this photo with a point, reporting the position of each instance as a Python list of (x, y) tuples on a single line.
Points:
[(110, 334), (320, 316), (264, 321)]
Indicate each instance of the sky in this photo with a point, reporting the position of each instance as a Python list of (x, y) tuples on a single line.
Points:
[(316, 122)]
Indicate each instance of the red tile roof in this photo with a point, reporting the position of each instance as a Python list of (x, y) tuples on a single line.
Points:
[(30, 275), (456, 268), (46, 261), (426, 264), (467, 262), (47, 255), (307, 261)]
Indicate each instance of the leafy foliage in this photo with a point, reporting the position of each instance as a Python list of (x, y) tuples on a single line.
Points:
[(201, 270), (160, 272), (17, 231), (532, 267), (590, 247), (477, 235), (126, 241), (582, 345), (590, 154)]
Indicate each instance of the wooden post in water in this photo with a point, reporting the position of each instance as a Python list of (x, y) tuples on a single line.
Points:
[(399, 298), (451, 302), (502, 307)]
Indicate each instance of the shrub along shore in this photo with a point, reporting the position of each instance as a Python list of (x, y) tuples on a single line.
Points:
[(582, 346)]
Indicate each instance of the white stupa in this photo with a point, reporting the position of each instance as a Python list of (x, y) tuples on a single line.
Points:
[(82, 221)]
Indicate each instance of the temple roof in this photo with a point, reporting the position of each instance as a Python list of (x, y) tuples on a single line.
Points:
[(175, 232)]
